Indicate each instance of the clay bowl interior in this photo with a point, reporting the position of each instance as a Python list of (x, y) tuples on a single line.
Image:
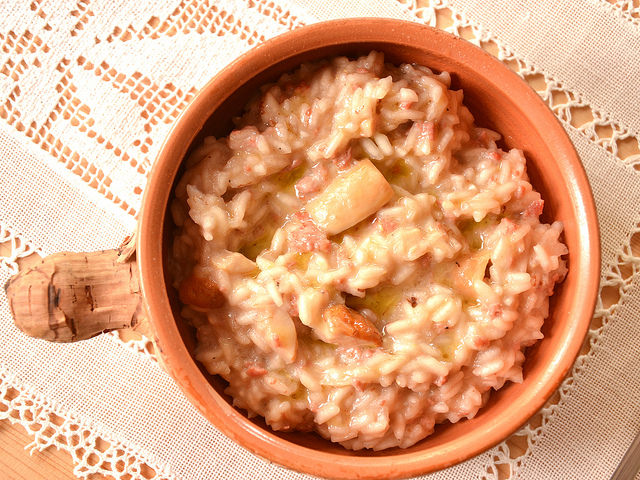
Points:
[(499, 100)]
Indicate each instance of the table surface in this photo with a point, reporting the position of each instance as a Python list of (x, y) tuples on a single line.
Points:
[(16, 462)]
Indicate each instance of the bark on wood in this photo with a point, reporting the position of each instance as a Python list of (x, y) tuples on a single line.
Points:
[(75, 296)]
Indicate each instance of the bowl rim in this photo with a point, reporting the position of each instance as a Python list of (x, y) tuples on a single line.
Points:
[(177, 359)]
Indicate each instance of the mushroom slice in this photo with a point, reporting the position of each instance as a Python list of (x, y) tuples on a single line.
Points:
[(350, 198), (200, 292), (280, 333), (344, 326)]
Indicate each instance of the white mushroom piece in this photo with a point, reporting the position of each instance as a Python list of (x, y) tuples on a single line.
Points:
[(350, 198)]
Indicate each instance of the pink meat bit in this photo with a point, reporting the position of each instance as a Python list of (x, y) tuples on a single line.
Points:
[(292, 307), (425, 261), (427, 130), (494, 155), (362, 70), (479, 343), (495, 310), (518, 172), (312, 182), (386, 224), (354, 354), (509, 226), (306, 117), (405, 105), (344, 160), (244, 138), (441, 380), (255, 371), (534, 209), (351, 353), (520, 191), (305, 236)]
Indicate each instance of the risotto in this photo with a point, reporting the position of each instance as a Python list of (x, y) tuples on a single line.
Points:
[(359, 258)]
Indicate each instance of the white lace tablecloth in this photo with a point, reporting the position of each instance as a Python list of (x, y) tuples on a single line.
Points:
[(88, 91)]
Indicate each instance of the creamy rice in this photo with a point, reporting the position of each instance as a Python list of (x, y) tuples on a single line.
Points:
[(359, 258)]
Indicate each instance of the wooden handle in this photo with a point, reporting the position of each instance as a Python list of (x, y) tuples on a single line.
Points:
[(74, 296)]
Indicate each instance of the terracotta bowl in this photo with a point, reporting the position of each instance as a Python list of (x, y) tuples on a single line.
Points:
[(500, 100)]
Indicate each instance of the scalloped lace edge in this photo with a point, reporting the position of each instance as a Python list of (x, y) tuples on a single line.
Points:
[(92, 452), (626, 9)]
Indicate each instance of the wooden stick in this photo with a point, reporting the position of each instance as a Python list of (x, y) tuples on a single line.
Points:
[(74, 296)]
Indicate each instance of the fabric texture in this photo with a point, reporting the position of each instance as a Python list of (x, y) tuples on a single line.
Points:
[(89, 90)]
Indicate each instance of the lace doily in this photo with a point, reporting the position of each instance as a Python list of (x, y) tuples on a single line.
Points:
[(89, 89)]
